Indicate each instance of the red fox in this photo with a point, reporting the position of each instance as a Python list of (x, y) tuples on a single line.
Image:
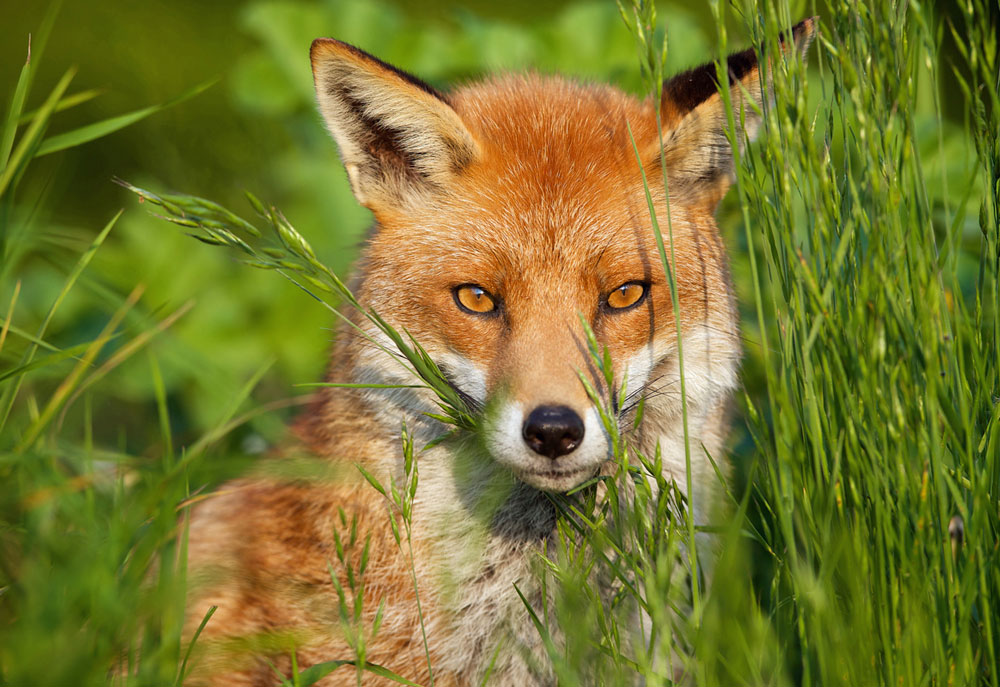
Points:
[(503, 211)]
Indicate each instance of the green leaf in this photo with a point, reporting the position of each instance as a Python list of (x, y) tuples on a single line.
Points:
[(314, 674), (29, 140), (13, 115), (90, 132), (41, 38), (182, 673), (371, 479), (31, 338), (388, 674), (70, 101), (47, 360), (7, 401)]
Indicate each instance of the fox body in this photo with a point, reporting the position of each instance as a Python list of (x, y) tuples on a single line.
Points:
[(504, 211)]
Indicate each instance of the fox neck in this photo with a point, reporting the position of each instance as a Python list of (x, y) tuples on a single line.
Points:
[(476, 533)]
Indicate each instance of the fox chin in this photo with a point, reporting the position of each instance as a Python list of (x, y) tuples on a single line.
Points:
[(506, 211)]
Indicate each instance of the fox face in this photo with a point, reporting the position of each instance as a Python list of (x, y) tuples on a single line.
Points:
[(510, 211)]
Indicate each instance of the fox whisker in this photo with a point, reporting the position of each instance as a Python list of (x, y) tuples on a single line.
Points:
[(474, 405)]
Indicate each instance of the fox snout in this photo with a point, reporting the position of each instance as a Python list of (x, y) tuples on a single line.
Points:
[(539, 421), (550, 446), (553, 431)]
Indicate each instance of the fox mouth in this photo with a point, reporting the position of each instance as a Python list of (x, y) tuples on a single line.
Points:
[(553, 480), (554, 474)]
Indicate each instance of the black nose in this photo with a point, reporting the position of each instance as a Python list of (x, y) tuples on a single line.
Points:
[(553, 431)]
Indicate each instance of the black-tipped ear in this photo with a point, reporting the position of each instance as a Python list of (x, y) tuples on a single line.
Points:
[(693, 116), (398, 137)]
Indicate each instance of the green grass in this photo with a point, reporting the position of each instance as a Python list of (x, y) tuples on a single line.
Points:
[(861, 541)]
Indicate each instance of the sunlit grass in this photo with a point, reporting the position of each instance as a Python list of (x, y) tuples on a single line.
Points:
[(863, 546)]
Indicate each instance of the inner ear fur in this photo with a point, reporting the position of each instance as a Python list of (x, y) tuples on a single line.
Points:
[(399, 138), (699, 160)]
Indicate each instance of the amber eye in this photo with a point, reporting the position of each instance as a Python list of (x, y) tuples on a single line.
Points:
[(627, 295), (474, 299)]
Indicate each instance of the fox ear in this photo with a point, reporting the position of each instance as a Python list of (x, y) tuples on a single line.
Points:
[(699, 160), (398, 137)]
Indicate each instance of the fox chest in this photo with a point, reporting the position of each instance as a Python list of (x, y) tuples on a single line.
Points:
[(480, 573)]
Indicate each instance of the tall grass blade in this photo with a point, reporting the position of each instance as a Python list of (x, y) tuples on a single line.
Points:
[(10, 393), (68, 102), (36, 48), (14, 113), (183, 671), (67, 386), (91, 132), (26, 147)]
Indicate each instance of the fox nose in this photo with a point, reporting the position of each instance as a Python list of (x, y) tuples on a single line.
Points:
[(553, 431)]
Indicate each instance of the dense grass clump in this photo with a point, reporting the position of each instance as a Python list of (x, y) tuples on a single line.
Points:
[(860, 541), (874, 489)]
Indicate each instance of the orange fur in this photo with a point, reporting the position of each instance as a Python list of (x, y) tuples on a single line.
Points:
[(528, 187)]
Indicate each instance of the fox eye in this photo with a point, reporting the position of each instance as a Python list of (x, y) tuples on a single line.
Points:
[(628, 295), (474, 299)]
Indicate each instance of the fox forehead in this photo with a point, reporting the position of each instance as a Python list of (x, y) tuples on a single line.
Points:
[(554, 154), (557, 183), (553, 131)]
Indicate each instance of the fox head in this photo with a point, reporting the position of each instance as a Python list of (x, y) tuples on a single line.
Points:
[(508, 209)]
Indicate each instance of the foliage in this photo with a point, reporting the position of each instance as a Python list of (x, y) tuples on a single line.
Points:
[(861, 542), (876, 292)]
